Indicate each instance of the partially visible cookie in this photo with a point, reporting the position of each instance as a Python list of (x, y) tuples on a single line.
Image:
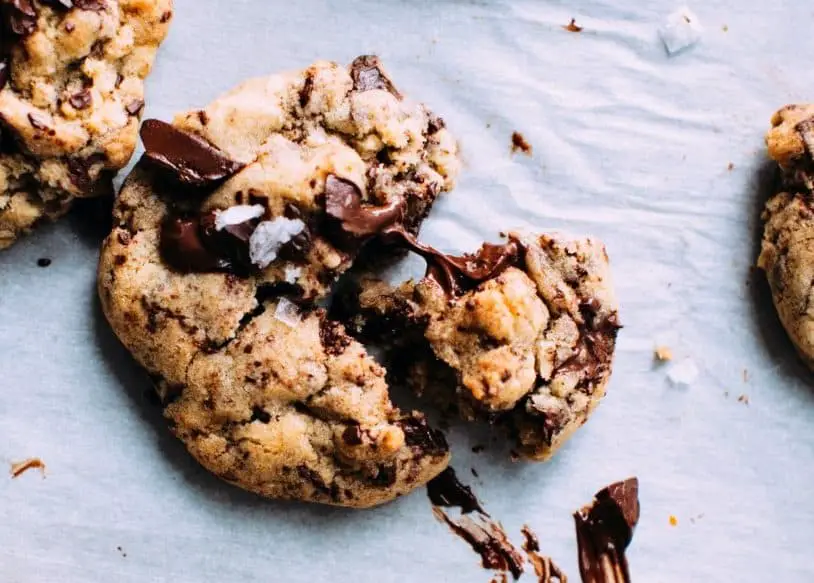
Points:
[(238, 220), (786, 253), (521, 334), (71, 95)]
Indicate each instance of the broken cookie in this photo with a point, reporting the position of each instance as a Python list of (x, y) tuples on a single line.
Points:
[(71, 96), (521, 335), (238, 219)]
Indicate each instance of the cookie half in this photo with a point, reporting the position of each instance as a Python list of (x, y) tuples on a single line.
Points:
[(71, 95), (239, 218), (786, 253), (521, 335)]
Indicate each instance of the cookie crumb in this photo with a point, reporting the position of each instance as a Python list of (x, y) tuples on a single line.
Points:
[(474, 472), (519, 144), (514, 456), (572, 26), (745, 375), (744, 399), (478, 448), (43, 262), (663, 354), (725, 28), (673, 520), (730, 166), (121, 550), (693, 519), (19, 468)]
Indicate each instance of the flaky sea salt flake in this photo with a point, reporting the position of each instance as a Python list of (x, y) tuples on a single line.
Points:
[(270, 236), (236, 215), (288, 313), (683, 374), (681, 31)]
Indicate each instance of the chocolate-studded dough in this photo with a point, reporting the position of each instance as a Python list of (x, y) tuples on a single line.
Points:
[(71, 73), (520, 334), (239, 218)]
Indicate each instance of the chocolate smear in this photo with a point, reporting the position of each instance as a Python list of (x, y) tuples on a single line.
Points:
[(343, 202), (544, 567), (190, 158), (604, 530), (456, 275), (368, 74), (484, 535)]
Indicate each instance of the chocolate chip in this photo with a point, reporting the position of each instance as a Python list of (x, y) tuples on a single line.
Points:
[(368, 74), (182, 247), (165, 17), (385, 477), (435, 124), (37, 122), (307, 89), (65, 4), (352, 435), (81, 100), (343, 201), (261, 415), (418, 433), (70, 27), (80, 173), (19, 17), (43, 262), (135, 106), (190, 158)]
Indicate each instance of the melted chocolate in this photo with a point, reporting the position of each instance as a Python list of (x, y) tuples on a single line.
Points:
[(418, 433), (604, 531), (190, 158), (456, 275), (368, 74), (447, 491), (343, 202)]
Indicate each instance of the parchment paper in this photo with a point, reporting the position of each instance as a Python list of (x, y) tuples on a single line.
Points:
[(629, 145)]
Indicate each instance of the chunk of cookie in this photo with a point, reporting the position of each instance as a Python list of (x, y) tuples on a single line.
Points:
[(521, 334), (71, 94), (786, 255), (242, 215)]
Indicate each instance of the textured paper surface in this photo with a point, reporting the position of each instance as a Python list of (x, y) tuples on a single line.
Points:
[(629, 145)]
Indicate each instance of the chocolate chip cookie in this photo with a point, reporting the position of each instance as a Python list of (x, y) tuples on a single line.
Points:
[(520, 334), (238, 219), (786, 254), (71, 93)]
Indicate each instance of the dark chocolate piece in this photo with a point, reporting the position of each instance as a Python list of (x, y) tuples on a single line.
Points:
[(81, 99), (368, 74), (343, 201), (43, 262), (19, 17), (418, 433), (446, 490), (605, 529), (4, 71), (190, 158), (458, 274), (182, 247), (134, 107)]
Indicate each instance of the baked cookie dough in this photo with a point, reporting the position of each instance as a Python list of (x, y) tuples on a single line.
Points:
[(239, 218), (71, 93), (521, 334), (786, 255)]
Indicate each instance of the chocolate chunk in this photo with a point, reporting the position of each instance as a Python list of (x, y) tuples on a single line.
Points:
[(134, 107), (368, 74), (446, 490), (81, 173), (43, 262), (605, 529), (519, 144), (96, 5), (352, 435), (418, 433), (343, 201), (19, 17), (81, 100), (37, 122), (190, 158), (307, 89), (58, 3), (182, 247), (456, 275), (231, 243), (4, 72)]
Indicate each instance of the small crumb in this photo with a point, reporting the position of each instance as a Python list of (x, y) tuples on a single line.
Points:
[(488, 126), (726, 394), (745, 376), (673, 520), (730, 167), (121, 550), (725, 28), (681, 31), (19, 468), (663, 354), (519, 144), (514, 456), (683, 374), (572, 26), (695, 518), (43, 262), (475, 472), (478, 448), (744, 399)]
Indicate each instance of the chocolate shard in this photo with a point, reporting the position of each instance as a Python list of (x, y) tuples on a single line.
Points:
[(190, 158), (456, 275), (419, 434), (447, 491), (605, 529), (368, 74), (343, 202), (182, 247), (19, 17)]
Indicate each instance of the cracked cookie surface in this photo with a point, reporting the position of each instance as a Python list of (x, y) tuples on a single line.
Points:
[(529, 345), (786, 252), (71, 93), (242, 215)]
